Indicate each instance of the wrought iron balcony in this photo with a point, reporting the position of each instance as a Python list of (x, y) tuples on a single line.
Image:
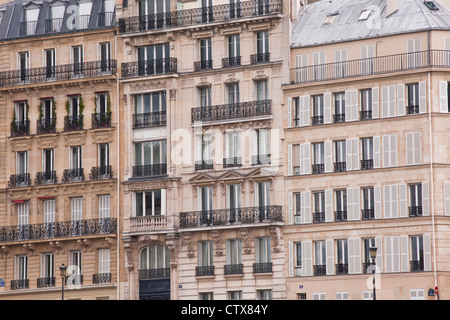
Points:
[(320, 270), (265, 267), (156, 273), (365, 115), (318, 217), (19, 180), (45, 178), (101, 120), (62, 229), (260, 58), (368, 214), (20, 128), (204, 165), (58, 73), (149, 67), (193, 17), (248, 215), (416, 266), (204, 271), (101, 278), (340, 215), (371, 66), (20, 284), (105, 19), (45, 282), (241, 110), (73, 123), (318, 168), (366, 164), (74, 279), (366, 266), (233, 269), (412, 109), (151, 119), (316, 120), (27, 28), (45, 125), (232, 162), (342, 268), (415, 211), (231, 62), (261, 159), (53, 25), (101, 173), (339, 118), (340, 166), (203, 65), (73, 175), (150, 170)]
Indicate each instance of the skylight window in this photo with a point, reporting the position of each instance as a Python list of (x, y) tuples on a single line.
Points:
[(431, 5), (331, 17), (364, 15)]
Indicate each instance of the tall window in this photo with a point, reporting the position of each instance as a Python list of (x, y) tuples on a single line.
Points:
[(234, 257), (77, 60), (157, 14), (153, 59), (21, 115), (155, 257), (149, 203), (319, 258), (47, 270), (150, 158), (342, 257), (205, 96), (20, 272), (262, 194), (262, 47), (234, 51), (207, 11), (49, 216), (233, 198), (262, 253), (261, 147), (366, 104), (368, 203), (50, 63), (319, 206), (75, 158), (104, 207), (341, 205), (417, 258), (105, 56), (340, 156), (297, 207), (232, 149), (103, 159), (339, 107), (205, 258), (318, 109), (21, 163), (413, 98), (367, 261), (415, 200), (150, 109), (262, 92), (205, 54), (75, 274), (298, 258), (24, 65), (367, 153), (232, 91), (318, 157), (22, 211)]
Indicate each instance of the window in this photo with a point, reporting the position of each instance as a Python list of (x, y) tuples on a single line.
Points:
[(320, 257), (20, 272), (415, 200), (234, 52), (317, 110), (392, 245), (262, 48), (262, 92), (412, 106), (261, 148), (101, 107), (233, 199), (390, 150), (320, 296), (413, 148), (298, 259), (205, 54), (49, 215), (264, 294), (149, 109), (296, 159), (341, 65), (74, 270), (368, 206), (104, 268), (417, 294), (232, 149), (414, 55), (22, 163), (417, 253), (340, 156), (75, 158), (46, 123), (339, 107), (232, 92), (297, 208), (204, 156), (50, 63), (368, 295), (297, 111), (154, 59), (74, 107), (76, 209), (155, 12), (388, 101), (149, 158), (149, 203), (77, 60), (105, 53), (22, 211), (234, 295), (318, 157), (47, 272), (84, 9), (29, 21), (301, 296), (342, 257), (205, 96), (262, 253), (205, 259), (155, 257), (21, 115), (206, 296), (205, 198), (367, 153), (24, 65), (55, 17), (319, 206), (235, 9), (367, 261), (104, 206), (262, 196), (366, 104), (234, 257), (341, 205), (431, 5), (342, 295)]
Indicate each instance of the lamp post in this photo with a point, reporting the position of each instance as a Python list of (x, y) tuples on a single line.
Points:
[(373, 256), (62, 270)]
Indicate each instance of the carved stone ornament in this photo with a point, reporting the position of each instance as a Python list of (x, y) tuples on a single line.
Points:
[(173, 94), (231, 78), (146, 185), (103, 136), (47, 141), (74, 138), (187, 241), (148, 85), (21, 144), (217, 238), (260, 74), (275, 233)]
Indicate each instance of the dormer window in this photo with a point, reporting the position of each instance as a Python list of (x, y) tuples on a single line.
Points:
[(431, 5), (29, 19), (330, 18), (364, 15), (55, 16)]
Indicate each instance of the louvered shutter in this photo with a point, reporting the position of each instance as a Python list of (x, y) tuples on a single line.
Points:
[(443, 96), (401, 104), (327, 108), (307, 263), (329, 249), (422, 97), (328, 205)]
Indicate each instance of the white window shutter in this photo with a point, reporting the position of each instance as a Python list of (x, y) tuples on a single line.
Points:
[(357, 201), (409, 148), (355, 106), (425, 199), (417, 148), (427, 252), (350, 205), (291, 259), (387, 202), (377, 202), (290, 168), (376, 152), (305, 117), (348, 148), (289, 112), (328, 205), (353, 204), (291, 207), (329, 249), (163, 201), (306, 207), (327, 108), (393, 149), (447, 198), (375, 103), (404, 253), (386, 152), (307, 263), (422, 97), (401, 104), (392, 102), (403, 200), (328, 146), (354, 255), (384, 102), (394, 201), (355, 153), (305, 158), (392, 254), (443, 96), (380, 253)]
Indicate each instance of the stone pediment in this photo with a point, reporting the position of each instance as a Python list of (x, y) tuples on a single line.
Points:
[(260, 173), (231, 175), (203, 178)]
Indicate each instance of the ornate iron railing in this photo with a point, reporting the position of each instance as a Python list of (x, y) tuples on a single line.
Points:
[(339, 118), (150, 170), (204, 271), (342, 268), (20, 284), (101, 173), (320, 270), (416, 266), (231, 62), (62, 229), (73, 123), (204, 165), (98, 278), (191, 17), (265, 267), (232, 111), (318, 217), (203, 65), (100, 120), (261, 159), (20, 128), (340, 215), (232, 162), (149, 67), (366, 164), (74, 279), (73, 175), (233, 269), (318, 168), (340, 166), (19, 180), (415, 211), (45, 282), (151, 119), (58, 73), (412, 109), (157, 273), (316, 120), (46, 125), (204, 218), (260, 58), (368, 214), (45, 178)]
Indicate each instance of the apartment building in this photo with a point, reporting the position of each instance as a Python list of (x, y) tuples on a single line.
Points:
[(202, 178), (58, 84), (367, 139)]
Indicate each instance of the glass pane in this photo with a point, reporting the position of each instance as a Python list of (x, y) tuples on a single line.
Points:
[(157, 202), (139, 204), (149, 203)]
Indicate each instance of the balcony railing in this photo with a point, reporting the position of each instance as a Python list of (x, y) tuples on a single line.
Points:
[(105, 19), (73, 175), (340, 166), (368, 214), (239, 110), (341, 268), (261, 159), (320, 270), (151, 119), (101, 278), (234, 269), (365, 115), (232, 162), (73, 123), (340, 215), (58, 73), (53, 25), (219, 217), (415, 211), (371, 66), (412, 109), (149, 67), (265, 267), (45, 282), (192, 17), (416, 266), (366, 164), (316, 120), (339, 118), (231, 62), (318, 168), (45, 178), (204, 165), (203, 65), (101, 120), (100, 173), (260, 58), (45, 125), (147, 223), (318, 217), (74, 279), (204, 271), (20, 284), (19, 180), (62, 229), (156, 273), (20, 128), (150, 170)]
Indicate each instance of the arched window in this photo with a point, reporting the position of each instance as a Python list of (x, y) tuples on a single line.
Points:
[(154, 262)]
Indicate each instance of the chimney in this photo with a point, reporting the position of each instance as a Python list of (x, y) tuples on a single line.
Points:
[(391, 6)]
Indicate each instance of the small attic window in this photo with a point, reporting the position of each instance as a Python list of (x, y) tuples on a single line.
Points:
[(431, 5), (330, 18), (364, 15)]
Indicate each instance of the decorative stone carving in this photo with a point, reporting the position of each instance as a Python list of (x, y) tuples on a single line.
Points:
[(173, 94), (275, 233), (246, 241), (74, 138), (47, 141), (218, 243), (187, 241), (103, 135), (21, 144), (148, 85)]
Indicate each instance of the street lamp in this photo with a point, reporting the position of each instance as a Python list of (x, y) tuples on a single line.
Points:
[(373, 256), (62, 271)]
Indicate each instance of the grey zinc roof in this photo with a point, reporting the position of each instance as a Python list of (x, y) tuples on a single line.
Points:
[(412, 16)]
